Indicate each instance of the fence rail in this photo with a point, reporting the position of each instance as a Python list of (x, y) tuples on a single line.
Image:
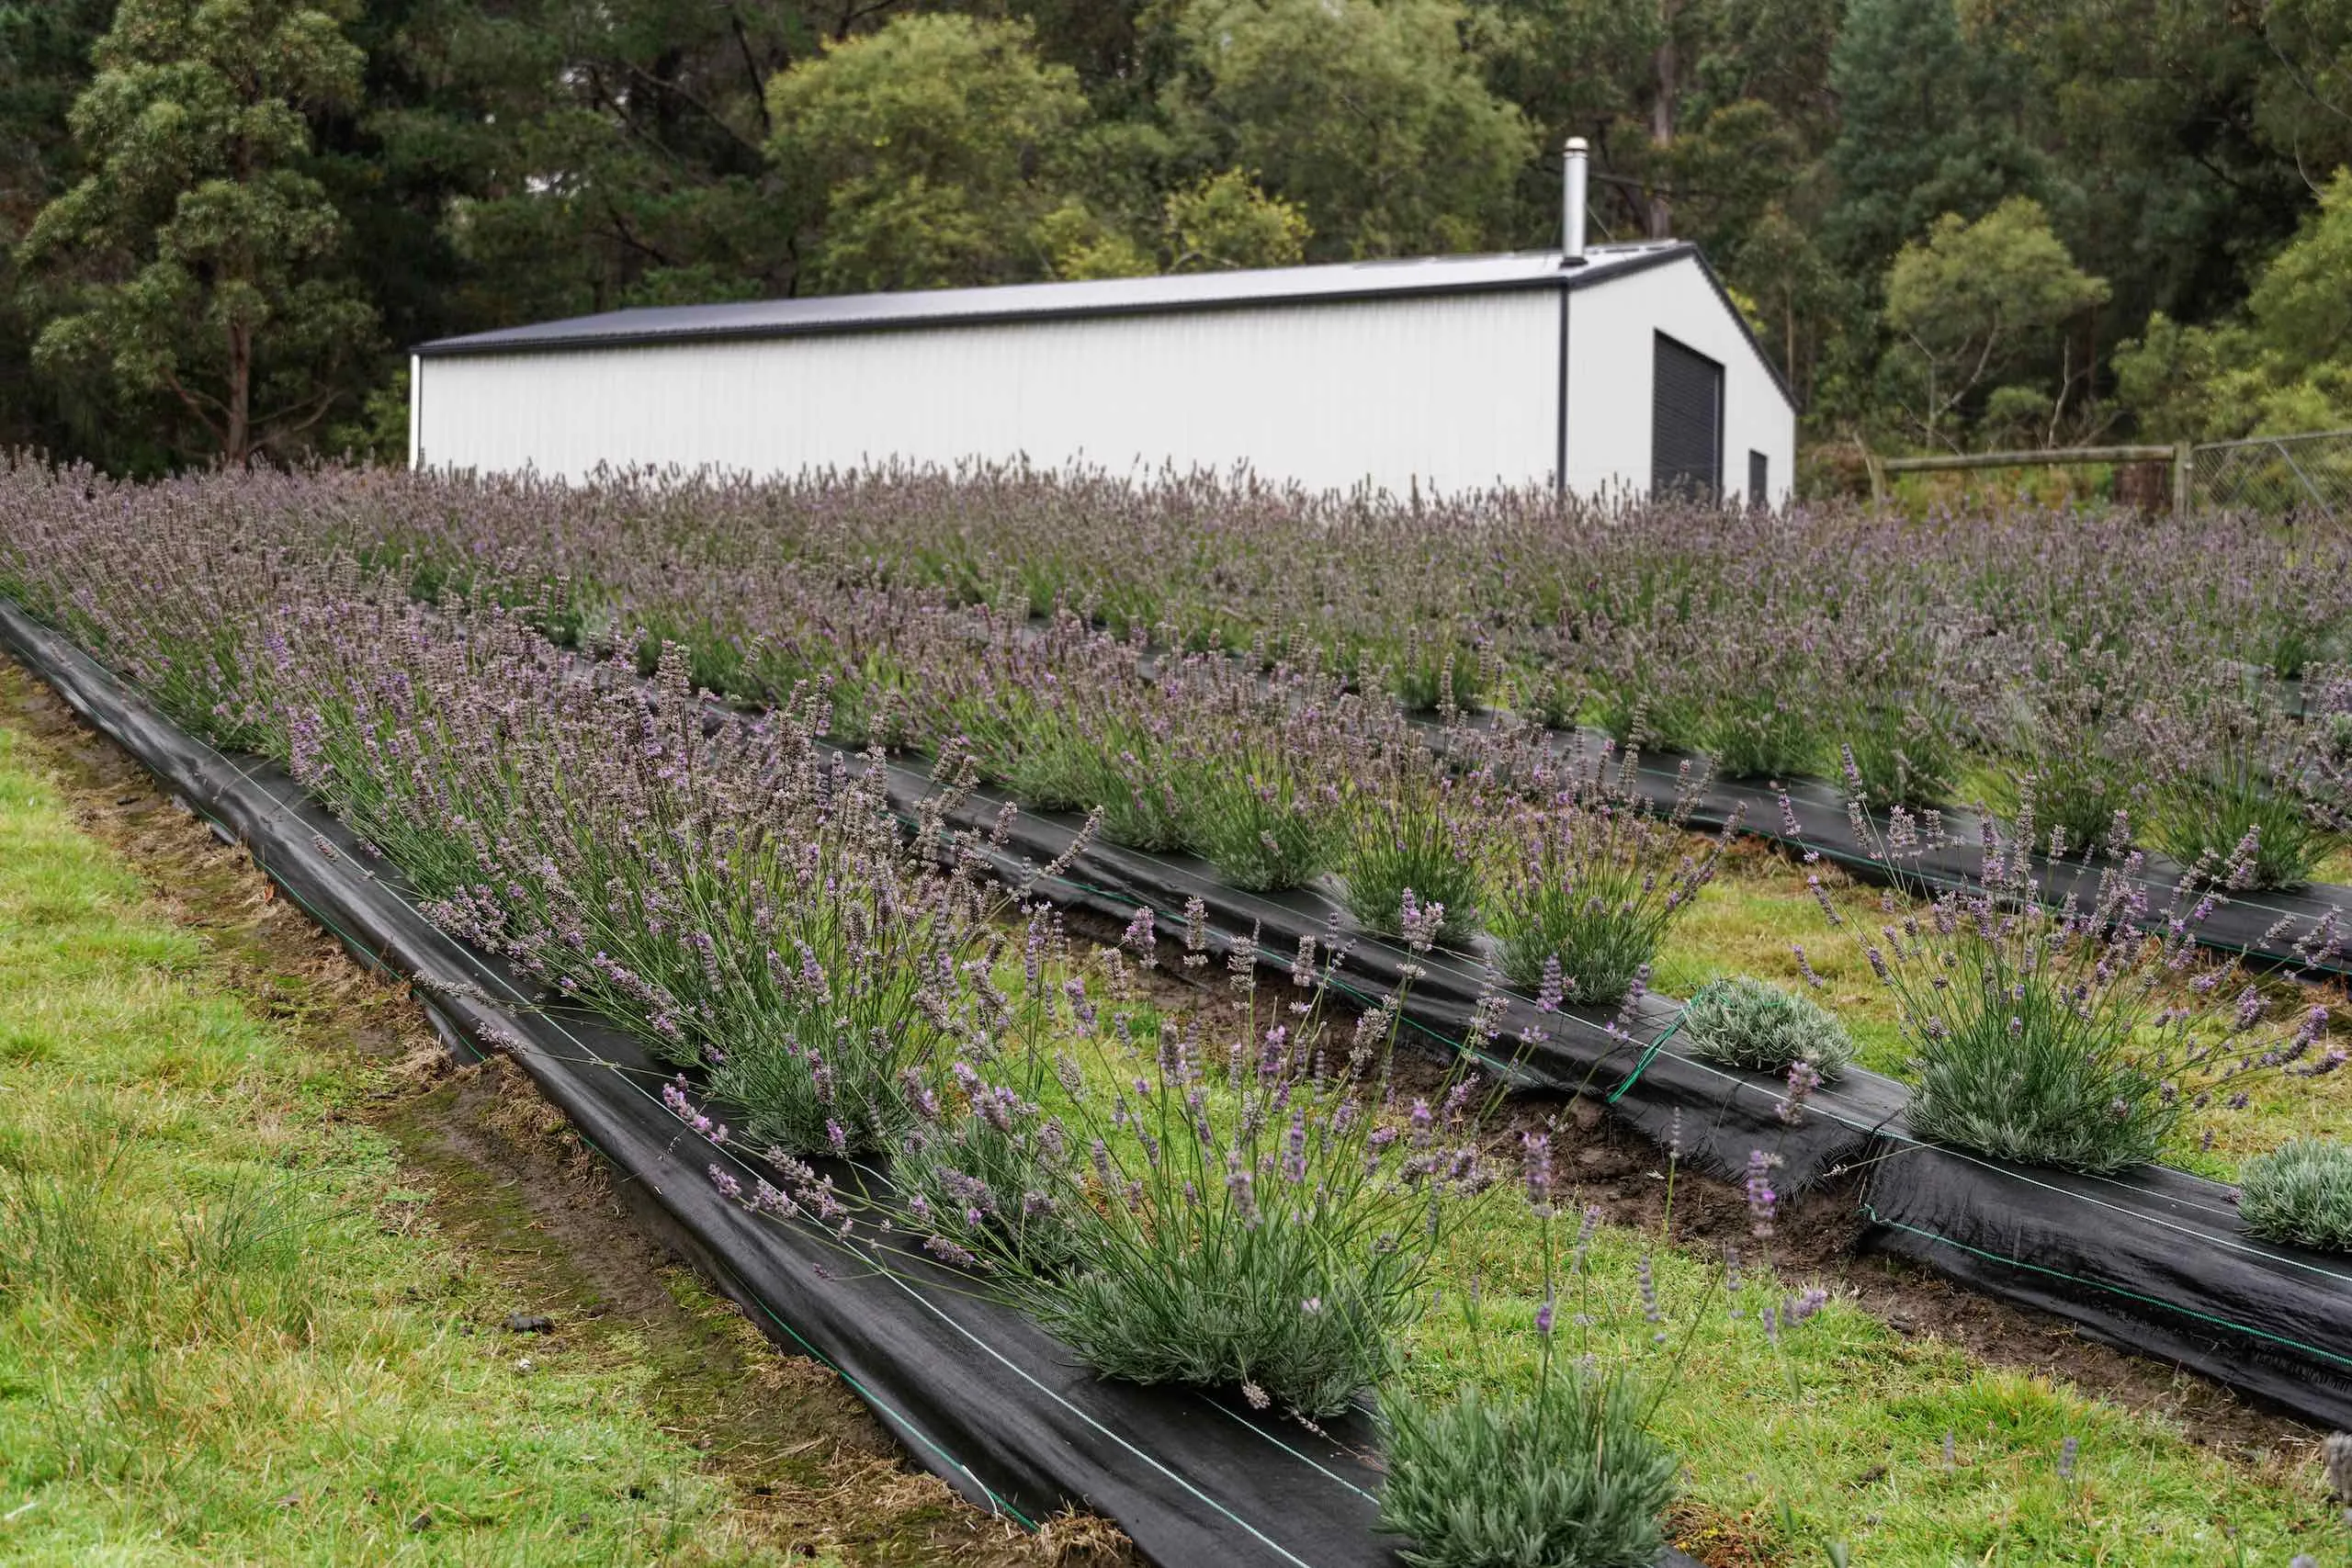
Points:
[(2305, 474)]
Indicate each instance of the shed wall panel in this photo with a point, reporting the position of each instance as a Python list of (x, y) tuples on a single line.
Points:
[(1449, 393), (1612, 349)]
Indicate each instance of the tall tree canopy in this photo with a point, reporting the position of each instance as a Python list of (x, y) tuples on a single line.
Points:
[(199, 250), (282, 195)]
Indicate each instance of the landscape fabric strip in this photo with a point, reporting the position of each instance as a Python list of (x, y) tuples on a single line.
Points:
[(2157, 1263), (980, 1395), (2150, 1266), (2243, 925)]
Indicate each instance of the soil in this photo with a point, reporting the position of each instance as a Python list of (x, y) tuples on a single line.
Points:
[(525, 1203), (509, 1178), (1603, 1161)]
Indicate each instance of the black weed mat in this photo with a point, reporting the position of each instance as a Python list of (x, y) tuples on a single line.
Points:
[(2158, 1263), (978, 1393), (2274, 929)]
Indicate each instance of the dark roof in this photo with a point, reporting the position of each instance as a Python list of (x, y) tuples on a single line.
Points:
[(1107, 297), (1031, 302)]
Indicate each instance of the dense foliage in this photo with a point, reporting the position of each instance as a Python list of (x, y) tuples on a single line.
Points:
[(1948, 223), (1752, 1023), (2300, 1192), (393, 637)]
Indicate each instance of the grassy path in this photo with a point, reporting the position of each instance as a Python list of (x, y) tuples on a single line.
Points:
[(259, 1246)]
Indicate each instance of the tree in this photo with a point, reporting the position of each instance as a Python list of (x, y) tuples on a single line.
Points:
[(1926, 127), (1218, 222), (44, 66), (1975, 298), (1368, 115), (202, 251), (933, 150), (590, 155), (2284, 365)]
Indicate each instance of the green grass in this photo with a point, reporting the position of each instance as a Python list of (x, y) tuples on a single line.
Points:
[(1841, 1436), (1752, 916), (222, 1338)]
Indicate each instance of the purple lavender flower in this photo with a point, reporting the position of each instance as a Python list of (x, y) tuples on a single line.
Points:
[(1535, 1167), (1762, 1201)]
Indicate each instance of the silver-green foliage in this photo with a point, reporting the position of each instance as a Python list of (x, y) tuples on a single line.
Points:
[(2300, 1192), (1746, 1022), (1568, 1477)]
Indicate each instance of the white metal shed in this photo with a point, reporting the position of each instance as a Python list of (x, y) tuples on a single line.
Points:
[(1622, 370)]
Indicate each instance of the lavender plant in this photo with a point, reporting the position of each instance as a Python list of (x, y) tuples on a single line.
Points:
[(2076, 754), (1569, 1476), (2082, 1035), (1751, 1023), (1584, 907), (2237, 769), (1569, 1470), (1261, 1215), (1256, 793), (1412, 842), (2300, 1192)]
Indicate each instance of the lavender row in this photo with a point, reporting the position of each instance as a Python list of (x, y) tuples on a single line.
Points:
[(507, 797), (2187, 674)]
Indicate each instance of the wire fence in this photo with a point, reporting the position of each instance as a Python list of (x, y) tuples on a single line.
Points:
[(2301, 477), (2307, 476)]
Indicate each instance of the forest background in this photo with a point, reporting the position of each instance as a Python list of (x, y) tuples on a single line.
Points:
[(1954, 223)]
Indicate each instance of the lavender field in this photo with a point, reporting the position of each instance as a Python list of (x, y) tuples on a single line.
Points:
[(630, 737)]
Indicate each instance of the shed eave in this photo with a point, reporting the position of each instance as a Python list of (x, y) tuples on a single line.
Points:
[(1027, 304)]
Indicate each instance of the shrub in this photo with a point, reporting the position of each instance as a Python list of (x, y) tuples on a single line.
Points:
[(1588, 884), (1746, 1022), (1248, 807), (1437, 673), (1899, 751), (2082, 1036), (2238, 770), (1570, 1472), (1412, 838), (1261, 1216), (1758, 733), (1570, 1476), (2300, 1192), (2074, 758), (1134, 784)]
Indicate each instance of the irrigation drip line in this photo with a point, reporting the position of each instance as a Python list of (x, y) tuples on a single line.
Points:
[(2166, 1268), (1754, 808), (981, 1396), (2158, 1264)]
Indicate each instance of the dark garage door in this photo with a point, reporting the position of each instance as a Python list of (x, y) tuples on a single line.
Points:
[(1686, 423)]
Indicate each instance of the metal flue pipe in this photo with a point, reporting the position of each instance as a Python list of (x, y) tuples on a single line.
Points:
[(1572, 180)]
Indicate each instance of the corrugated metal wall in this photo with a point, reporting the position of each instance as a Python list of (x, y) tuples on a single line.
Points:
[(1450, 393), (1612, 333)]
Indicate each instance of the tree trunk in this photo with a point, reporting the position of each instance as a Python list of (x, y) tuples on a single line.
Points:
[(1661, 213), (236, 437)]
